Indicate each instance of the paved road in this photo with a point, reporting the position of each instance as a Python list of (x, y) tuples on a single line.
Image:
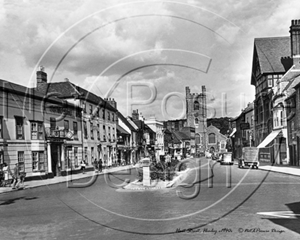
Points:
[(226, 206)]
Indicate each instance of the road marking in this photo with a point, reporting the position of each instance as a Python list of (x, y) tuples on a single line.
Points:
[(281, 214)]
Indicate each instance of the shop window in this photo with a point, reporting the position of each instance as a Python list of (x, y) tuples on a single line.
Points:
[(76, 156)]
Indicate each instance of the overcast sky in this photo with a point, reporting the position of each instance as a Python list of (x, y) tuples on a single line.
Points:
[(143, 52)]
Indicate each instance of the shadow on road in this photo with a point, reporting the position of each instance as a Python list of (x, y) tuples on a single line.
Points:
[(290, 220), (11, 201)]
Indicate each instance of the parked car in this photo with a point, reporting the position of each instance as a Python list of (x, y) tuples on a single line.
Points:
[(226, 158)]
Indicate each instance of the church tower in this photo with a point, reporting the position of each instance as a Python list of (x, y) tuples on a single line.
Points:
[(196, 116)]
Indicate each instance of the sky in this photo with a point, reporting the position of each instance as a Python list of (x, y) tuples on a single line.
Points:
[(143, 53)]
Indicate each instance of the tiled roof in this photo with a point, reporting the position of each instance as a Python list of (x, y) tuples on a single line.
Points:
[(181, 135), (13, 87), (270, 51), (69, 90)]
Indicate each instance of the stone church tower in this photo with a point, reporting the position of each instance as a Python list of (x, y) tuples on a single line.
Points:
[(196, 116)]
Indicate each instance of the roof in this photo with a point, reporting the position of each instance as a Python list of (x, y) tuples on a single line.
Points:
[(122, 130), (175, 138), (125, 121), (269, 52), (25, 91), (70, 90), (181, 135)]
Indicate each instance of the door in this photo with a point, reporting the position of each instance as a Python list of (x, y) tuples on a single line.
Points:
[(55, 158)]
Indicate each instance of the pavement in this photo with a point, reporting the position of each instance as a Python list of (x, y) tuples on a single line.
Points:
[(289, 170), (61, 179)]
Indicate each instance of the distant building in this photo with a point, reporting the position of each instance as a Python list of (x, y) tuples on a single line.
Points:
[(216, 140), (157, 127), (196, 116)]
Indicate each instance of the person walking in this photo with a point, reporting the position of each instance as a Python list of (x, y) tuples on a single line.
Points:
[(16, 177), (6, 172), (83, 165), (100, 165)]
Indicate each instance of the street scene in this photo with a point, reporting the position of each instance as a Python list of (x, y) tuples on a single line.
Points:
[(149, 120)]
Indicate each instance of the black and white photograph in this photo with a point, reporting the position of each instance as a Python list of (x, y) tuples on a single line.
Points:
[(149, 119)]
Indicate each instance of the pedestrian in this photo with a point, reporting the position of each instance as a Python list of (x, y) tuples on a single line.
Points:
[(83, 165), (96, 165), (22, 178), (16, 177), (100, 165), (6, 172)]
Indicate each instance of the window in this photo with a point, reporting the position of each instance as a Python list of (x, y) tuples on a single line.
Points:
[(36, 131), (197, 139), (21, 161), (211, 138), (113, 117), (281, 118), (38, 161), (76, 156), (103, 114), (52, 123), (98, 112), (108, 133), (196, 105), (91, 109), (66, 125), (98, 132), (1, 157), (108, 116), (196, 121), (104, 134), (19, 128), (1, 128), (75, 130), (92, 130), (85, 155), (84, 107), (92, 154), (85, 130)]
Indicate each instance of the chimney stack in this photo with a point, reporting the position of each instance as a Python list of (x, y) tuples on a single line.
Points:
[(135, 114), (112, 102), (295, 41), (41, 77)]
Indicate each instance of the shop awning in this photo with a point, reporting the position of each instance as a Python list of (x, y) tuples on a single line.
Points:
[(233, 132), (269, 138)]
